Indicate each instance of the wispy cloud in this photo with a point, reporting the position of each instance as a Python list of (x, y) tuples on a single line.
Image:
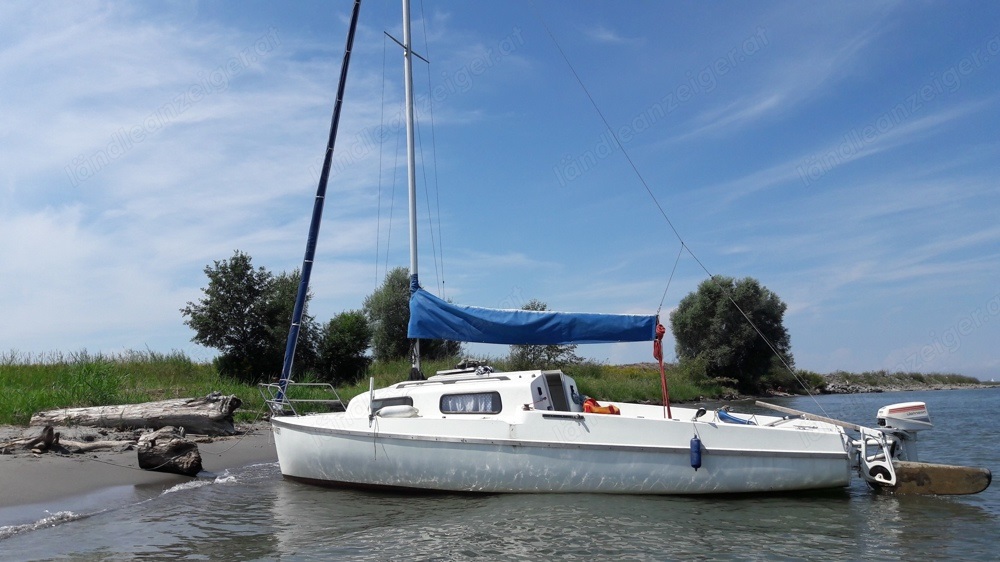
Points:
[(870, 139), (783, 80), (736, 114), (790, 172), (604, 34)]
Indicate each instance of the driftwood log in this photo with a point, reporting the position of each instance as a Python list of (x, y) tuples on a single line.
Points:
[(211, 415), (87, 446), (49, 440), (43, 442), (167, 450)]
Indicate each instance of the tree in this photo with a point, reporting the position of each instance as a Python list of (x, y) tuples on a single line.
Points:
[(343, 343), (524, 357), (245, 313), (388, 312), (282, 304), (439, 349), (708, 326)]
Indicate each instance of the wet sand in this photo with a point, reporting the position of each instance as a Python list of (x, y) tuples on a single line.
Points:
[(31, 479)]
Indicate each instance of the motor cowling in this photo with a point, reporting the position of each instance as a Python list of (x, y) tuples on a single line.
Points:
[(900, 423), (907, 416)]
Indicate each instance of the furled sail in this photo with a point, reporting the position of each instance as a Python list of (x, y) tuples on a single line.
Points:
[(434, 318)]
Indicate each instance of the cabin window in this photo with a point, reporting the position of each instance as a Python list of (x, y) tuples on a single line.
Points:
[(472, 403), (394, 401)]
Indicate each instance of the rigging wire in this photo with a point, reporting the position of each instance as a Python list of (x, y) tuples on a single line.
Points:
[(436, 245), (381, 150), (656, 202), (680, 252), (392, 199), (437, 190), (427, 202)]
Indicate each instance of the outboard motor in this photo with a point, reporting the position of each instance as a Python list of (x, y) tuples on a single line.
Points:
[(901, 422), (895, 439)]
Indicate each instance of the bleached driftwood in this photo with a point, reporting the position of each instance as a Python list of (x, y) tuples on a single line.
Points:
[(43, 442), (49, 440), (167, 450), (211, 415), (88, 446)]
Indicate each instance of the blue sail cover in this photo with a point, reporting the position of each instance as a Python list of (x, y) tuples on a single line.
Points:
[(434, 318)]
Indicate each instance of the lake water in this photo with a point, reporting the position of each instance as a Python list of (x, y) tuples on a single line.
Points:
[(252, 514)]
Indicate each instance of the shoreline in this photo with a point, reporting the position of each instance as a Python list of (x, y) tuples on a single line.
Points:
[(52, 479), (849, 387), (35, 485), (844, 388)]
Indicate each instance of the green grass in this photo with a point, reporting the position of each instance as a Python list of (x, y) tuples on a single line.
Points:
[(387, 373), (35, 383), (638, 383)]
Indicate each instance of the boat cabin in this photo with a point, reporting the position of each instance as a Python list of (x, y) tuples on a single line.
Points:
[(464, 392)]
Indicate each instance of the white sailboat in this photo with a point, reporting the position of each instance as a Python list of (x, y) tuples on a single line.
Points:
[(475, 430)]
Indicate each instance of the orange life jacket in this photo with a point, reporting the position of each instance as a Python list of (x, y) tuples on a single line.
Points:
[(592, 407)]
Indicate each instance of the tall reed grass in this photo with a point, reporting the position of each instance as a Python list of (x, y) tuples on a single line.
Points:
[(33, 383)]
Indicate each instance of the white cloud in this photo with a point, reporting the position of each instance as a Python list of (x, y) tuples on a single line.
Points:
[(605, 34)]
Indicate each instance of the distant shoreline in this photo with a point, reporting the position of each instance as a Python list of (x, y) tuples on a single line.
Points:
[(850, 383)]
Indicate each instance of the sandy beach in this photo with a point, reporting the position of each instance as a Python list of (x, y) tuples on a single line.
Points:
[(27, 479)]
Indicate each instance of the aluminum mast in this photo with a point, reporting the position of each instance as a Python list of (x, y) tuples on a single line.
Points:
[(411, 168)]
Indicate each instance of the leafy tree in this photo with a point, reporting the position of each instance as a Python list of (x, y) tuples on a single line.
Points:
[(524, 357), (707, 326), (245, 314), (342, 347), (284, 291), (388, 312), (439, 349)]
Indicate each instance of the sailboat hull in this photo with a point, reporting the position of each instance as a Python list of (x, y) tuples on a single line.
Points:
[(556, 453)]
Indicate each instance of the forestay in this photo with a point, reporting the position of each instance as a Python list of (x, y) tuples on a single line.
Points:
[(434, 318)]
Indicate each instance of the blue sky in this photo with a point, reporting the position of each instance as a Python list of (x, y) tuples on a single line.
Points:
[(844, 154)]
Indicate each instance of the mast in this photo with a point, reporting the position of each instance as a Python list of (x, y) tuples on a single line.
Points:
[(411, 170), (317, 214)]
